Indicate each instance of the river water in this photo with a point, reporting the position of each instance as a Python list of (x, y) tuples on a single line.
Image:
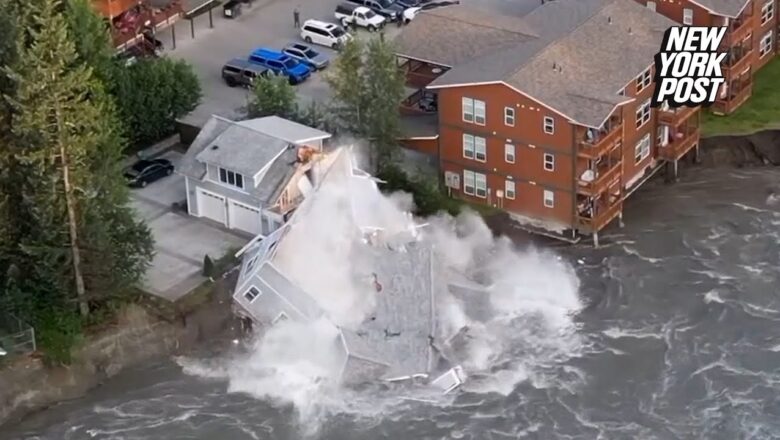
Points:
[(679, 338)]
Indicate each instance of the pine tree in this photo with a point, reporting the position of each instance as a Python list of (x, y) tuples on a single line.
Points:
[(273, 95), (81, 241), (93, 42), (346, 83)]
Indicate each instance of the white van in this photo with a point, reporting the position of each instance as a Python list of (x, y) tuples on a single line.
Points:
[(324, 34)]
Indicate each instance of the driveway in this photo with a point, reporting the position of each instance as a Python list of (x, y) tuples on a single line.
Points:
[(181, 241)]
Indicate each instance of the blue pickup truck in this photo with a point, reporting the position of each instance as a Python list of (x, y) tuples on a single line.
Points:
[(281, 64)]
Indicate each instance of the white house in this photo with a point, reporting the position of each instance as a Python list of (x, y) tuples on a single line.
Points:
[(250, 175)]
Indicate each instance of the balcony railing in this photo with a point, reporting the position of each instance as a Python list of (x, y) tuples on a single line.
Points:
[(738, 30), (601, 217), (419, 74), (733, 68), (605, 176), (421, 102), (677, 148), (602, 145), (725, 106), (675, 116)]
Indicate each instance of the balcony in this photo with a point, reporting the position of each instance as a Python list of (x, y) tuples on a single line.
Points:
[(421, 102), (738, 29), (603, 213), (675, 116), (603, 143), (594, 182), (127, 28), (737, 61), (418, 73), (681, 143), (726, 105)]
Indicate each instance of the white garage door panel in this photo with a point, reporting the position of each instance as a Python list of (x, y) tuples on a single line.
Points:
[(211, 206), (244, 218)]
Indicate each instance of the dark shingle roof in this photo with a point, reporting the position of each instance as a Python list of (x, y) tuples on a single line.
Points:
[(597, 47)]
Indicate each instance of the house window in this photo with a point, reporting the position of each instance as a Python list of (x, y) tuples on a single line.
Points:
[(643, 114), (252, 293), (688, 16), (767, 11), (231, 178), (473, 110), (642, 149), (509, 116), (643, 80), (474, 184), (509, 189), (509, 153), (549, 162), (765, 46), (549, 199), (549, 125), (474, 147)]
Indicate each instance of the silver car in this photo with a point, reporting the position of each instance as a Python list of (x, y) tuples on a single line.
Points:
[(307, 55)]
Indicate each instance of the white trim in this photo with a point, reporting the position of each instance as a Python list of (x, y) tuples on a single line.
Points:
[(279, 317), (552, 162), (408, 57), (508, 109), (187, 189), (208, 193), (552, 198), (552, 125), (256, 177), (684, 14), (419, 138)]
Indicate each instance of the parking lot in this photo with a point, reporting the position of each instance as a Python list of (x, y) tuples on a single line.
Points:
[(181, 241)]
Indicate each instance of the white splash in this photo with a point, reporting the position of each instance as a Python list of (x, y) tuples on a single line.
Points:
[(532, 296)]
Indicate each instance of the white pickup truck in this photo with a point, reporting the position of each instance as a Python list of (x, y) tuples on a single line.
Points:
[(352, 15)]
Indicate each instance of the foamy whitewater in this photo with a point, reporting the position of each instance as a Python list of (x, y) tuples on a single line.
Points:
[(533, 296)]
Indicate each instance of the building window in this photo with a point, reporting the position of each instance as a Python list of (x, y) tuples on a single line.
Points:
[(549, 162), (549, 125), (765, 46), (643, 80), (474, 147), (509, 116), (642, 149), (509, 153), (767, 11), (643, 114), (473, 111), (474, 184), (509, 189), (549, 199), (660, 135), (231, 178), (251, 294), (688, 16)]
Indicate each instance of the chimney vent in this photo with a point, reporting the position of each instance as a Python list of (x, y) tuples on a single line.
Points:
[(629, 30)]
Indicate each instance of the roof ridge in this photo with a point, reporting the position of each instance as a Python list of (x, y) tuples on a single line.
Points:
[(520, 21)]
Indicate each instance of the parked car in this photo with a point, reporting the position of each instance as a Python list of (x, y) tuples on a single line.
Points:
[(240, 72), (145, 172), (409, 3), (410, 13), (305, 54), (281, 64), (350, 14), (387, 8), (325, 34)]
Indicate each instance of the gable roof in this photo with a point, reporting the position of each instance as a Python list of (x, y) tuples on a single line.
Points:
[(583, 53), (242, 149), (286, 130), (727, 8)]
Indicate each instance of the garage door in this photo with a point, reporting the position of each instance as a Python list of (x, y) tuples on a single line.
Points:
[(244, 218), (211, 206)]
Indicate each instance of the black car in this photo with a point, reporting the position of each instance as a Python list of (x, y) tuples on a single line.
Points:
[(145, 172), (387, 8)]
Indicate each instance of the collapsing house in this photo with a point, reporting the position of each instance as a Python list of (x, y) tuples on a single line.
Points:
[(399, 337)]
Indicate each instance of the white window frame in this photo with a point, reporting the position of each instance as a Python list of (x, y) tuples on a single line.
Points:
[(509, 116), (549, 125), (767, 12), (765, 44), (228, 175), (643, 80), (642, 149), (549, 199), (480, 149), (643, 114), (509, 189), (480, 181), (509, 153), (469, 177), (468, 146), (687, 16), (549, 162), (252, 298), (473, 110)]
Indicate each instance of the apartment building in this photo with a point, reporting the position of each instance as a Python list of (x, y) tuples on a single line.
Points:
[(751, 39), (546, 116)]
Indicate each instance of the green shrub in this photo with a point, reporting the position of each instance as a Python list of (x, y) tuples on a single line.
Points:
[(57, 331), (428, 196)]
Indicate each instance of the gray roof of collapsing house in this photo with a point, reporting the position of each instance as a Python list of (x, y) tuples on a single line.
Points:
[(571, 55)]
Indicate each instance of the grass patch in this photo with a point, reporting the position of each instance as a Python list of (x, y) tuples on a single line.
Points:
[(760, 112)]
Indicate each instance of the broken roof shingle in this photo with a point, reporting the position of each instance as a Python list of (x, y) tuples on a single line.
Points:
[(584, 52)]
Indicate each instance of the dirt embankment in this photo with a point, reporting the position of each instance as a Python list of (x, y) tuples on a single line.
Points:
[(761, 148), (139, 335)]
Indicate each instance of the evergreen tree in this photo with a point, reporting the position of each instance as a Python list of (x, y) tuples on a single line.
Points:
[(93, 41), (81, 243), (273, 95), (346, 83)]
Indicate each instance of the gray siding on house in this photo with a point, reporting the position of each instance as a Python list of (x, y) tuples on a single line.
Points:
[(267, 307), (217, 189)]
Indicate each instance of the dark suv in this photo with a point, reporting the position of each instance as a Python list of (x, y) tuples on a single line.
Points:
[(389, 9), (239, 72)]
